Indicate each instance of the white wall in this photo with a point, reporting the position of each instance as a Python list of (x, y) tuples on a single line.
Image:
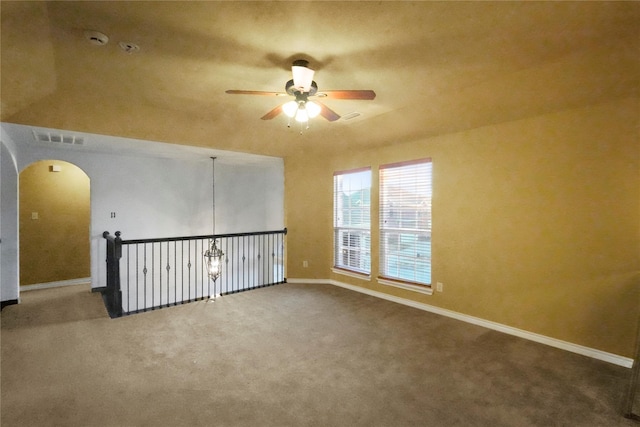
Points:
[(157, 197), (249, 198), (8, 226)]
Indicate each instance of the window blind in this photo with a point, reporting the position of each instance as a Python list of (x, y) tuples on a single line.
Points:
[(405, 221), (352, 220)]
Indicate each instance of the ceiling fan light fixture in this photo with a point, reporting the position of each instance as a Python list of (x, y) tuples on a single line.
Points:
[(290, 108), (301, 115), (313, 109), (302, 77)]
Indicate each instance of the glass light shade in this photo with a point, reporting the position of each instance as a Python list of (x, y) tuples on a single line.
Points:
[(313, 109), (213, 267), (302, 78), (290, 108), (301, 115), (213, 259)]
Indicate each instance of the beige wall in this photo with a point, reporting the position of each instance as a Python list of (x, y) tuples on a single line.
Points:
[(54, 247), (536, 222)]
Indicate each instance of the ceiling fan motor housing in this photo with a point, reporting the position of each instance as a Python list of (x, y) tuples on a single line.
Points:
[(292, 90), (301, 63)]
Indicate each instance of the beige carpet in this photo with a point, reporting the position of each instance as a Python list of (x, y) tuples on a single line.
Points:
[(288, 355)]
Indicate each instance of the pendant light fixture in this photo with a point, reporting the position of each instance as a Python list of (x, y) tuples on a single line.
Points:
[(213, 255)]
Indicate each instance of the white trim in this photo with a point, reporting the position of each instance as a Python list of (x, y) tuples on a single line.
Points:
[(414, 288), (361, 276), (615, 359), (82, 281)]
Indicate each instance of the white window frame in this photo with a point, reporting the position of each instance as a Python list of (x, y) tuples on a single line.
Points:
[(353, 255), (405, 224)]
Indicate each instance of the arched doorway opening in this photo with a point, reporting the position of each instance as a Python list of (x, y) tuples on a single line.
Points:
[(54, 225)]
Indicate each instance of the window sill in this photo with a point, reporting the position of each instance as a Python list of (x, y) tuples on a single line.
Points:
[(427, 290), (361, 276)]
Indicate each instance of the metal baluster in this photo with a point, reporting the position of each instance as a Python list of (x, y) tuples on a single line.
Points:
[(226, 266), (168, 268), (238, 266), (127, 283), (160, 275), (250, 282), (256, 262), (153, 276), (144, 271), (202, 269), (233, 258), (254, 266), (279, 259), (137, 278), (274, 275), (209, 280), (195, 270), (254, 279), (189, 269), (244, 259), (273, 259), (264, 259), (130, 289), (182, 271), (259, 261)]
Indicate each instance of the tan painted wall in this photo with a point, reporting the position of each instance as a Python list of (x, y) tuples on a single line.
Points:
[(55, 246), (536, 222)]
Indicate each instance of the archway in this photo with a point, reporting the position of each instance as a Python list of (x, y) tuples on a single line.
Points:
[(54, 225)]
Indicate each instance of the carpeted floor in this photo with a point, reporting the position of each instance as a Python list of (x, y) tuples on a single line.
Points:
[(288, 355)]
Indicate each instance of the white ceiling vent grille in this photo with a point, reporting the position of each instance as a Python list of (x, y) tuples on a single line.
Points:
[(350, 116), (57, 138)]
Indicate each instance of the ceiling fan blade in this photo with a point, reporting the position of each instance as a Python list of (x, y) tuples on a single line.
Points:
[(254, 92), (327, 112), (347, 94), (271, 114)]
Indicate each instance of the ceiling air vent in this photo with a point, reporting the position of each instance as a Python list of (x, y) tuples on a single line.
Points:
[(350, 116), (57, 138)]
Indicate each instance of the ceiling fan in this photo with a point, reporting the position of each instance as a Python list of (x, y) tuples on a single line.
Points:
[(302, 87)]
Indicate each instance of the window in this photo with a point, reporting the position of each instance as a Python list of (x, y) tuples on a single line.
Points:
[(352, 220), (405, 221)]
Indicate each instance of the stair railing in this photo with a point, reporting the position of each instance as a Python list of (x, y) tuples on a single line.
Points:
[(156, 273)]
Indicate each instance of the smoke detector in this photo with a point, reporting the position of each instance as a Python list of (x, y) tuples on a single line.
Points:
[(96, 37), (129, 47)]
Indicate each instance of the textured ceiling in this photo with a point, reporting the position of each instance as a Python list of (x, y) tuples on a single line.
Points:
[(437, 67)]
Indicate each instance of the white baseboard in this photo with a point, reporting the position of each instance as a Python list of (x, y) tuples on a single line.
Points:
[(82, 281), (310, 281), (542, 339)]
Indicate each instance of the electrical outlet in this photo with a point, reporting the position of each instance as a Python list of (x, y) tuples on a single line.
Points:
[(305, 264), (439, 286)]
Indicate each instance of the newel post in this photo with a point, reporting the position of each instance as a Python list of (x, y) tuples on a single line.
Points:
[(113, 293)]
